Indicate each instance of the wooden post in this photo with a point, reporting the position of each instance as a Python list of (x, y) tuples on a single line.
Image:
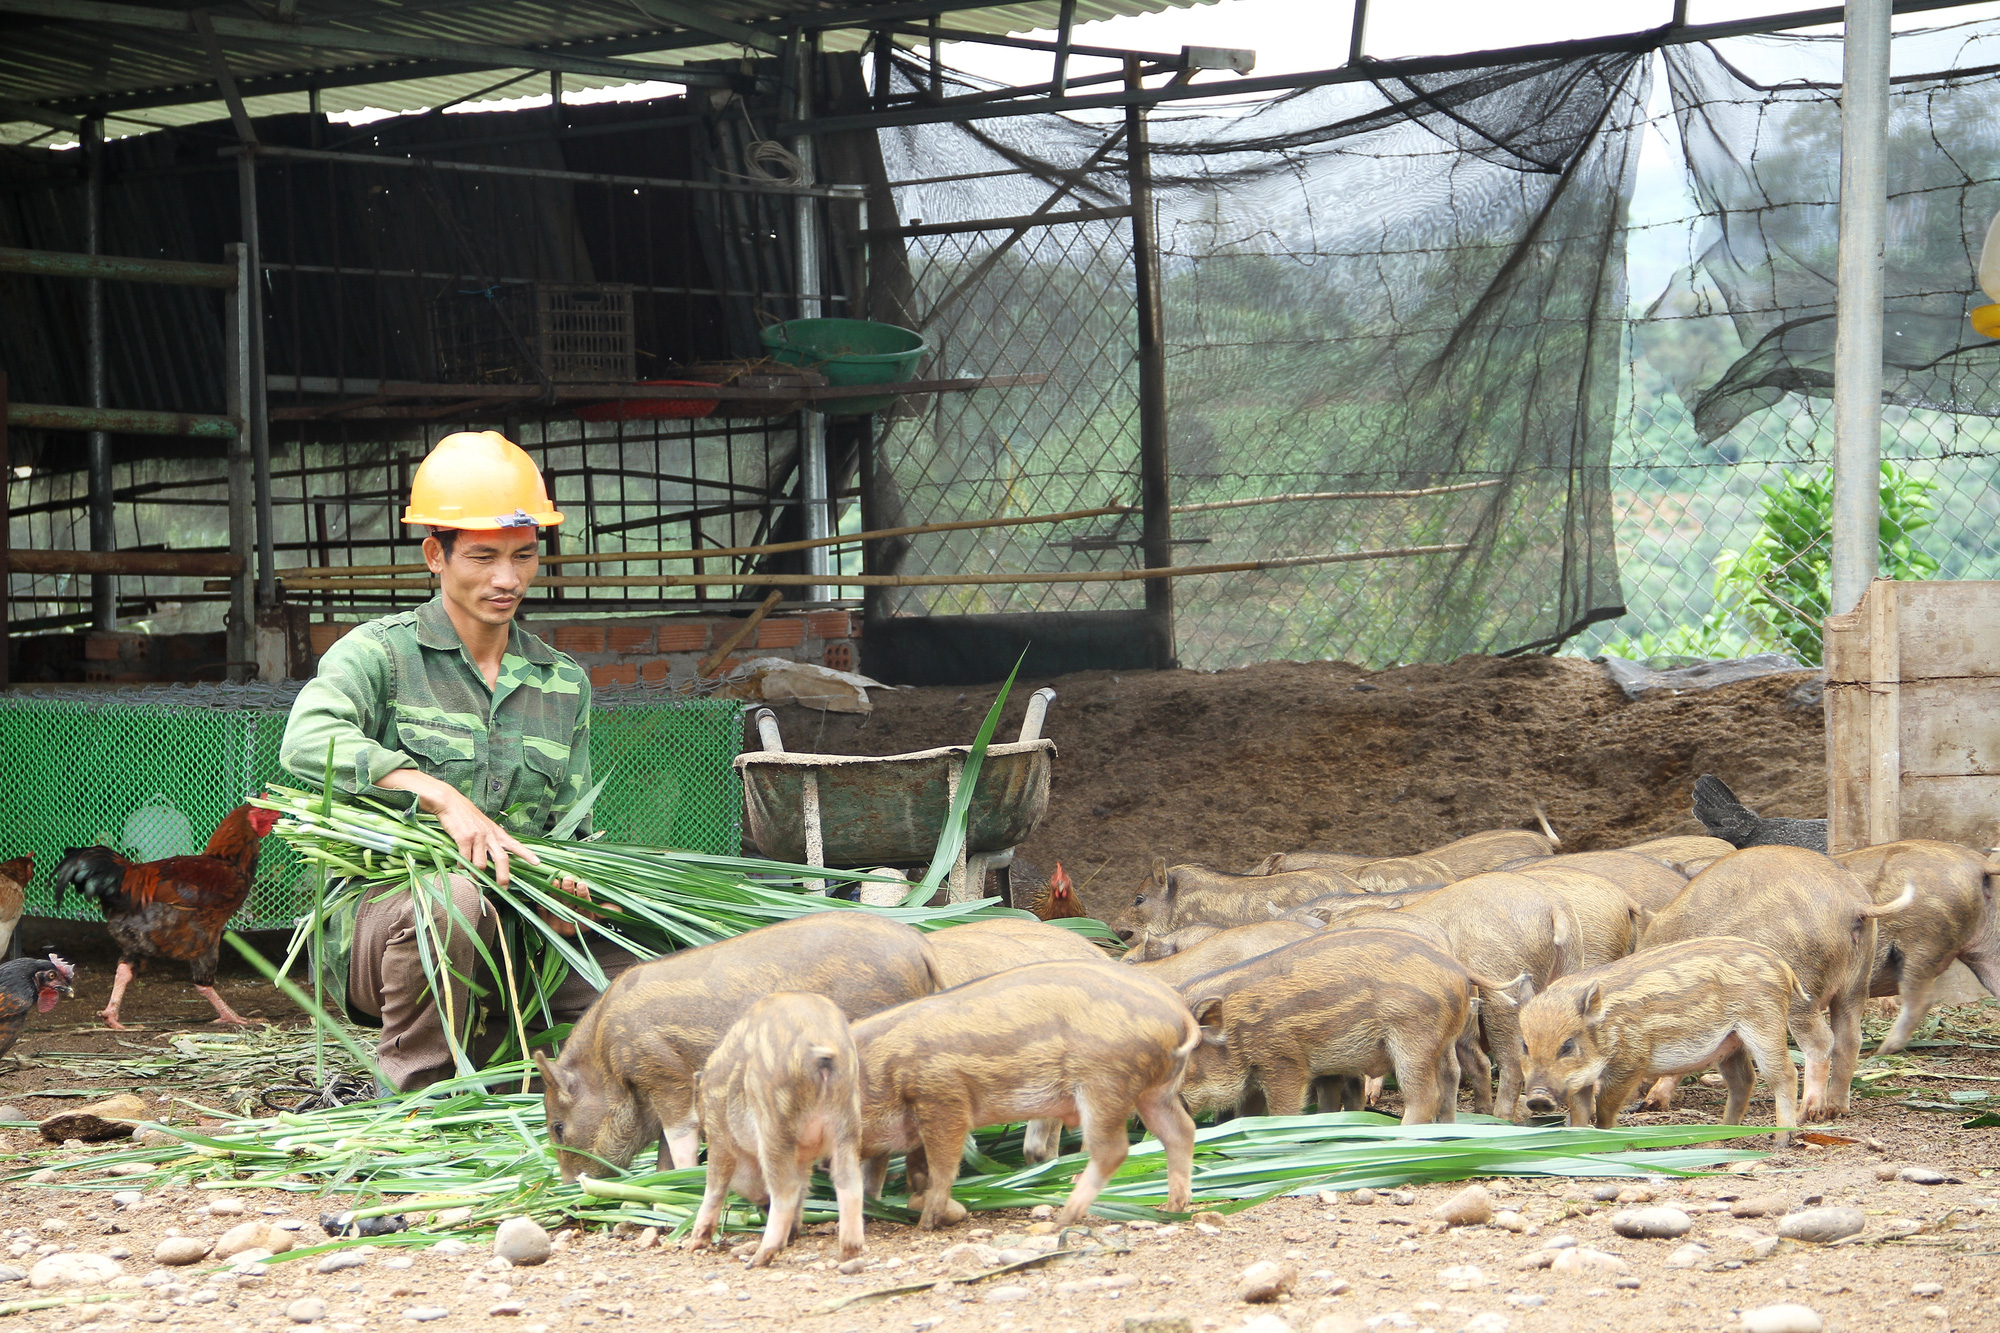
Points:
[(1156, 531)]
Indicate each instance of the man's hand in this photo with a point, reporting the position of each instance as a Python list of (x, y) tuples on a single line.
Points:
[(479, 839), (562, 925)]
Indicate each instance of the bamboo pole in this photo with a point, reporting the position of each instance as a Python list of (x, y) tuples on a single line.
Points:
[(900, 580), (915, 530)]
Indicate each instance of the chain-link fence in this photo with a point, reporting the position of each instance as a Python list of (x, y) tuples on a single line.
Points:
[(151, 771), (1721, 468)]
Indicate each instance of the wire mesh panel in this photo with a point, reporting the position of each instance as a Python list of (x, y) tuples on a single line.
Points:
[(150, 772), (1722, 468)]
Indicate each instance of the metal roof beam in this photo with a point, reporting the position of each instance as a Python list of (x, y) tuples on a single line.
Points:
[(28, 111), (345, 39), (696, 19)]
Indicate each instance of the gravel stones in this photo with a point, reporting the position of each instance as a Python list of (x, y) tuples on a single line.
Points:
[(521, 1241), (1470, 1207), (65, 1272), (1159, 1323), (306, 1310), (1652, 1223), (1782, 1319), (340, 1261), (226, 1207), (1923, 1175), (1821, 1226), (1581, 1261), (1007, 1295), (179, 1251), (971, 1255), (9, 1273), (1266, 1280), (423, 1314), (1687, 1256)]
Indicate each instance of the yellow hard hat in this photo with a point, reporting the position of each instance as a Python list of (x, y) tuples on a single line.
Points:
[(480, 480)]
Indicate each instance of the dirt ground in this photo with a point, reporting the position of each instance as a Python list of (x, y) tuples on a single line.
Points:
[(1221, 768)]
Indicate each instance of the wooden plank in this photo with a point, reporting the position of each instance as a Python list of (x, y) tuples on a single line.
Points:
[(1951, 629), (1885, 738), (1950, 728), (1846, 704), (1964, 810), (184, 564)]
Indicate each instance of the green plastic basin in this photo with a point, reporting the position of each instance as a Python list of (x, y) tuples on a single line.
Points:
[(849, 352)]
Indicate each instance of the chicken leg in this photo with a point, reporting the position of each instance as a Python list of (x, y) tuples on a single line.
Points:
[(118, 985), (223, 1013)]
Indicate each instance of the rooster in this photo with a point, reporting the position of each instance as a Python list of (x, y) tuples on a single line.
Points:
[(1057, 898), (176, 908), (30, 984), (1737, 824), (14, 877)]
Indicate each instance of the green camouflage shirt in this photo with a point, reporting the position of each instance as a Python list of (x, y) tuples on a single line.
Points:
[(402, 692)]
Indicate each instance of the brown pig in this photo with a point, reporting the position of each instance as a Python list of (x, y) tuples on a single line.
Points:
[(1952, 918), (1489, 850), (1079, 1042), (627, 1073), (1610, 920), (981, 948), (1593, 1037), (1652, 884), (1502, 925), (1681, 850), (781, 1091), (1392, 874), (1281, 861), (1225, 948), (1147, 946), (1175, 896), (1347, 1005), (1818, 917)]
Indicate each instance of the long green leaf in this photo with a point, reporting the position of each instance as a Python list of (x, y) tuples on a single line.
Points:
[(952, 839)]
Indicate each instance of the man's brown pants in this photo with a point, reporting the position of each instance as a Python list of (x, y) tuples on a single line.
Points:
[(386, 979)]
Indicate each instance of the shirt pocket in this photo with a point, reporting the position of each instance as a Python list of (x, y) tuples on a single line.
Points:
[(444, 750), (548, 761)]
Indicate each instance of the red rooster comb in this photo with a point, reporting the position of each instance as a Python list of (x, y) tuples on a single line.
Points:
[(53, 989), (1059, 885)]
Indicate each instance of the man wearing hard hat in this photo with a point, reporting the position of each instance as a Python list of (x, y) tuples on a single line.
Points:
[(452, 707)]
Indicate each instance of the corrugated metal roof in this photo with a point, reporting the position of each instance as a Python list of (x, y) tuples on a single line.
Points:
[(69, 63)]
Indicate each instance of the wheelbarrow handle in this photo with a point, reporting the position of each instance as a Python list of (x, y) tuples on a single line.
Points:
[(767, 730), (1038, 708)]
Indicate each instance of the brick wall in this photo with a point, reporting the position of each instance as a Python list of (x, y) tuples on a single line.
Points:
[(665, 650)]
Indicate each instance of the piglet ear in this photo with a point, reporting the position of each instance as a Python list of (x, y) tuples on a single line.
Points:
[(1591, 1005)]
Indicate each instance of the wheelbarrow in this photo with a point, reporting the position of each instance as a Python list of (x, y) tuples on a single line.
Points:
[(858, 812)]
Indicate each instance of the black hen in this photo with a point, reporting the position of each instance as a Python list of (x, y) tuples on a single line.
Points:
[(29, 985), (1737, 824)]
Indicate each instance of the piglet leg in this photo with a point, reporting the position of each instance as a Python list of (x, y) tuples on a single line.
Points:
[(944, 1130), (1104, 1139), (715, 1193), (785, 1178), (1660, 1097), (1160, 1110), (1916, 1002), (847, 1191), (684, 1146)]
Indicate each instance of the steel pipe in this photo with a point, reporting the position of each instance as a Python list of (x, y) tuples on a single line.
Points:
[(103, 519), (64, 264), (1857, 347)]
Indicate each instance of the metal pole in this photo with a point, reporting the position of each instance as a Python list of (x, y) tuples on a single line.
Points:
[(238, 324), (1857, 347), (1360, 29), (1155, 494), (6, 529), (813, 489), (103, 532), (255, 416)]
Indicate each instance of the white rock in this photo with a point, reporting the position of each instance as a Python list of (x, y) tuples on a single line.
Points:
[(1470, 1207), (126, 1198), (1487, 1321), (1921, 1175), (1687, 1256), (306, 1310), (1266, 1323), (1464, 1277), (1510, 1221), (521, 1241), (1821, 1226), (423, 1314), (61, 1272), (253, 1236), (180, 1250), (1782, 1319), (1265, 1281), (226, 1207), (450, 1247), (1004, 1295), (1652, 1223), (969, 1254), (1588, 1261), (339, 1261), (1042, 1212)]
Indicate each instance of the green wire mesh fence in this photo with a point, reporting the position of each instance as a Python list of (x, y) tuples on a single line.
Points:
[(151, 771)]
